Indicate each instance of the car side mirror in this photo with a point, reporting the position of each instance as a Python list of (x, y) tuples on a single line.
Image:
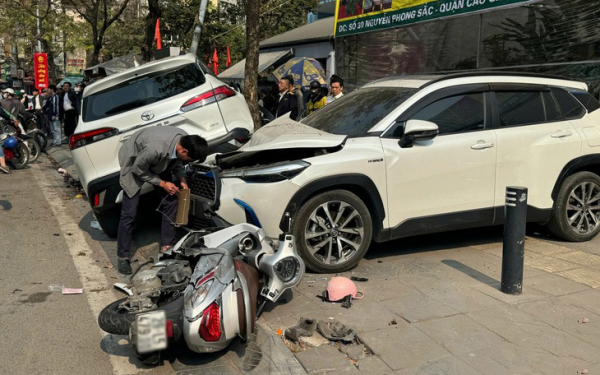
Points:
[(418, 130)]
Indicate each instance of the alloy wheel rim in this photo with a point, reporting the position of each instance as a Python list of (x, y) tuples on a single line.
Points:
[(583, 208), (334, 232)]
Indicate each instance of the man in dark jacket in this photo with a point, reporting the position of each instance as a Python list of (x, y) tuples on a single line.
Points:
[(69, 109), (52, 110), (154, 155), (287, 100)]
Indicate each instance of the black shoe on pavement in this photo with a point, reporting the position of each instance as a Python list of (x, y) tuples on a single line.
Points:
[(124, 266)]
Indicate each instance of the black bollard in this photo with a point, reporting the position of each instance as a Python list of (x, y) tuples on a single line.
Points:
[(513, 248)]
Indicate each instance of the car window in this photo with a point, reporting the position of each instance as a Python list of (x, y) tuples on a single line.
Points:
[(140, 91), (520, 108), (455, 114), (356, 113), (570, 107), (552, 111), (588, 101)]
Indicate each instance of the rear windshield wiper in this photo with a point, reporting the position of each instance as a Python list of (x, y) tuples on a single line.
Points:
[(126, 106)]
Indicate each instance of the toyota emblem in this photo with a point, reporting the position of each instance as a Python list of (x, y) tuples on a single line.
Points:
[(147, 116)]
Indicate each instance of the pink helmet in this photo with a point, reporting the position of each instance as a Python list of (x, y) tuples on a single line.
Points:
[(340, 287)]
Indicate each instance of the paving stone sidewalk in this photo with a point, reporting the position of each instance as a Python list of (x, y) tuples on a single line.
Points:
[(441, 312)]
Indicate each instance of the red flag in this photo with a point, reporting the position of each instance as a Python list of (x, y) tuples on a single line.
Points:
[(215, 61), (157, 34), (228, 63)]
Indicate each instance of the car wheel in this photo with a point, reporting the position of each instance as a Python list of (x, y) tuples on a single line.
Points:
[(109, 221), (576, 213), (333, 231)]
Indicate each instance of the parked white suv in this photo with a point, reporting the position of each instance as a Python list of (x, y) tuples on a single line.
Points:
[(177, 91), (416, 155)]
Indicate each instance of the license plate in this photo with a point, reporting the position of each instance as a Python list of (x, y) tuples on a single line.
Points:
[(151, 331)]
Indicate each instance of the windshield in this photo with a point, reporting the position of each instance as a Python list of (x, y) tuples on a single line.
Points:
[(356, 113), (141, 91)]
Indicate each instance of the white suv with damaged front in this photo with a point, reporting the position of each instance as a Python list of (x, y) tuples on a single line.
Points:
[(415, 155), (177, 91)]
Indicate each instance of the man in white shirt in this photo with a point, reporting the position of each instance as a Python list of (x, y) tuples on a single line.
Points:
[(336, 87), (69, 110)]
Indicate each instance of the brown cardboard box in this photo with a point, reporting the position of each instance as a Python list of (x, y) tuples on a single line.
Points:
[(183, 207)]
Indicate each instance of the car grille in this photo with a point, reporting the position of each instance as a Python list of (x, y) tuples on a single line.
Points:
[(201, 184)]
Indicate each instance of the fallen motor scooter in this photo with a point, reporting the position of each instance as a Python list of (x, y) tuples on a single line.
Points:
[(235, 273)]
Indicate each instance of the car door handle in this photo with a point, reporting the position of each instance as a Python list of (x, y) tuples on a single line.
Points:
[(562, 134), (482, 146)]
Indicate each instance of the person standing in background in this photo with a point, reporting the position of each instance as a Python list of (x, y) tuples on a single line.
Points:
[(287, 101), (52, 109), (317, 98), (336, 88), (69, 110)]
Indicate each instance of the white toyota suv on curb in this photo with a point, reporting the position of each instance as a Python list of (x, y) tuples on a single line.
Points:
[(177, 91), (414, 155)]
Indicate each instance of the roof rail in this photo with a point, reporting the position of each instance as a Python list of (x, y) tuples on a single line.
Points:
[(494, 73)]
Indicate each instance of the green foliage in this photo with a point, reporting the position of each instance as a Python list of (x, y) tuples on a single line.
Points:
[(123, 38)]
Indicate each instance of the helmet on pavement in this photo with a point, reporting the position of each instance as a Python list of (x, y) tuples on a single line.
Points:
[(339, 287), (11, 142)]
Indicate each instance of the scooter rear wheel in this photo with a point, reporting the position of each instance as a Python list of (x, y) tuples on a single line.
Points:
[(117, 321)]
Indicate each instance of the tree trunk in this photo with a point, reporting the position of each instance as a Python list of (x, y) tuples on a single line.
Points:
[(96, 53), (154, 13), (251, 70)]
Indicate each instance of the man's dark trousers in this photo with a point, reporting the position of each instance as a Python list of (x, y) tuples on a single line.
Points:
[(128, 213), (70, 122)]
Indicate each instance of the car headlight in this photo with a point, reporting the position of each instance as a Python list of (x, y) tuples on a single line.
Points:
[(272, 173)]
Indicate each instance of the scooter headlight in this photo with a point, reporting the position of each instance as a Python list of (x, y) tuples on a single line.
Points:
[(287, 269), (199, 291)]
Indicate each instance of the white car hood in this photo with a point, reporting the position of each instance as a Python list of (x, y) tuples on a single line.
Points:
[(285, 133)]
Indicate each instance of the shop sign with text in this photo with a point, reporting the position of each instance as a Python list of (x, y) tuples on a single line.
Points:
[(40, 70), (361, 16)]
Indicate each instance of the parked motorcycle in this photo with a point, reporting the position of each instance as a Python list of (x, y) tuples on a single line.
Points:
[(236, 271), (29, 127), (30, 139), (15, 151)]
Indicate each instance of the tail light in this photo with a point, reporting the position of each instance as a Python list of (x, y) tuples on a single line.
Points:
[(212, 96), (86, 138), (210, 328), (169, 329)]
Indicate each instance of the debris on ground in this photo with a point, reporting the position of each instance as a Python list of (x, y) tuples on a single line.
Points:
[(313, 341), (96, 225), (55, 287), (354, 352), (334, 330), (78, 196), (393, 322), (16, 290), (583, 371), (584, 320), (62, 171), (67, 291), (305, 327), (359, 279)]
